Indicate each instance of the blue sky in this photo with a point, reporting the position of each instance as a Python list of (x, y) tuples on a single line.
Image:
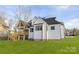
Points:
[(69, 14)]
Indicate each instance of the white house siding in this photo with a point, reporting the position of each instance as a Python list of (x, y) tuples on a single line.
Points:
[(37, 34), (62, 31), (31, 35), (54, 34), (44, 31)]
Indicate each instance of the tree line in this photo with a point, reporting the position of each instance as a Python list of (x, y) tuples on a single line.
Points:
[(72, 32)]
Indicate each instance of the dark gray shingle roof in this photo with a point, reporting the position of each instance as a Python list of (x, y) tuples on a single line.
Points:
[(52, 20)]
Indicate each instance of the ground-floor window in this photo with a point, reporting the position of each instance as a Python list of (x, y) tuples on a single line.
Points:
[(52, 27), (38, 27)]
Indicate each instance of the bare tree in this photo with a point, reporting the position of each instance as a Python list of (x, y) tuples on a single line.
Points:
[(2, 18), (23, 13)]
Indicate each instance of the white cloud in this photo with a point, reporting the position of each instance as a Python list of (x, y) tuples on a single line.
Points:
[(72, 23), (62, 7)]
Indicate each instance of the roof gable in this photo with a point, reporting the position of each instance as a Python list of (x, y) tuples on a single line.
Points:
[(39, 20)]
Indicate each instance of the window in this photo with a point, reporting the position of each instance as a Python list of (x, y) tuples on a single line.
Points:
[(31, 29), (38, 28), (21, 24), (52, 27)]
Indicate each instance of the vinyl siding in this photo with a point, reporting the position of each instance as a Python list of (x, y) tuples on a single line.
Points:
[(54, 34)]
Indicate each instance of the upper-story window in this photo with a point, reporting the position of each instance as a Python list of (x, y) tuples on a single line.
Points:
[(38, 28), (52, 27)]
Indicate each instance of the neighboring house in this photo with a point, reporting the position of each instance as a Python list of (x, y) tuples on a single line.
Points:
[(21, 28), (68, 32), (46, 28), (3, 29), (72, 32)]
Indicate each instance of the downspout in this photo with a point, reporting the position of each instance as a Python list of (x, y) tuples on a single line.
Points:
[(42, 32), (60, 31), (46, 32), (33, 32)]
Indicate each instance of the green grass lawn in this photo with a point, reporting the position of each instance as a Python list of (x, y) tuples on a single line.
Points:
[(69, 45)]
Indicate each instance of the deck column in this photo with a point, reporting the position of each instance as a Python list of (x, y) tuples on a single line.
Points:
[(24, 37)]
